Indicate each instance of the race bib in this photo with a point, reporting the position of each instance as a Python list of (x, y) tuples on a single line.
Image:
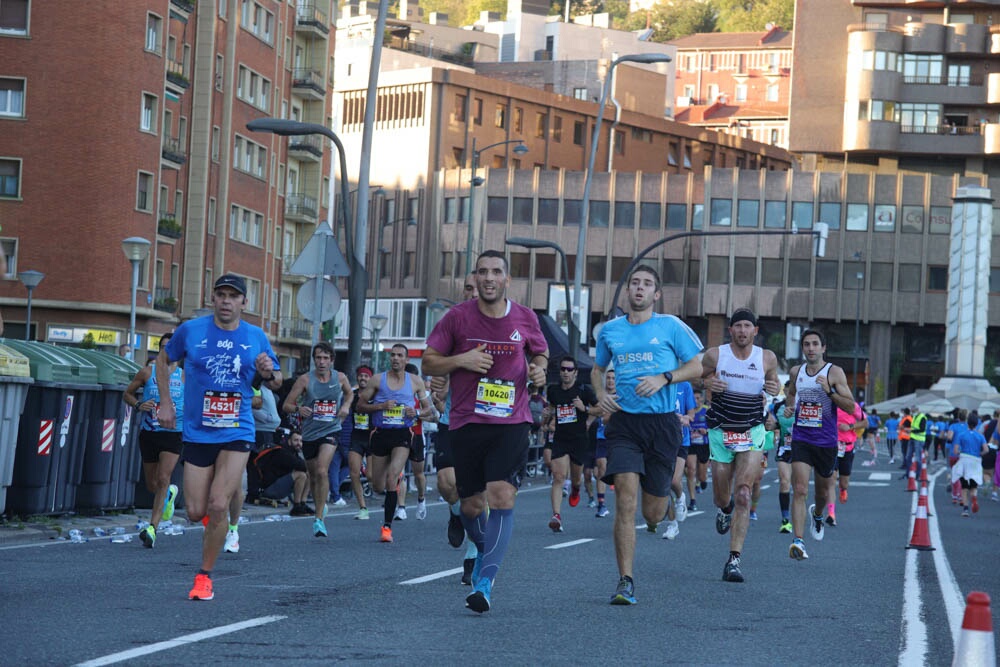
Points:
[(495, 398), (325, 411), (360, 421), (737, 442), (393, 417), (221, 409), (565, 414), (841, 449), (786, 444), (810, 415)]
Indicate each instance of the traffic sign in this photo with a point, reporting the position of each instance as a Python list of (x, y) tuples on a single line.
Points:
[(307, 300), (321, 256)]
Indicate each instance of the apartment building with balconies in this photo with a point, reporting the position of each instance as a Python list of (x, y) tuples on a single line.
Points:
[(132, 122)]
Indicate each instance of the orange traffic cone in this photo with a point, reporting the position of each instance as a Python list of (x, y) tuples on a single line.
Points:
[(911, 477), (975, 642), (921, 538)]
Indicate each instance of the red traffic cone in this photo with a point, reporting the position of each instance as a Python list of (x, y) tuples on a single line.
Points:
[(911, 477), (975, 641), (924, 499), (923, 466), (921, 538)]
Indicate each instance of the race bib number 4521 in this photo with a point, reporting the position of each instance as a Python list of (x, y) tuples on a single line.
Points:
[(221, 409)]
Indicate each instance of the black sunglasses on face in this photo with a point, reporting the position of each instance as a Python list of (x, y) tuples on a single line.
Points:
[(568, 370)]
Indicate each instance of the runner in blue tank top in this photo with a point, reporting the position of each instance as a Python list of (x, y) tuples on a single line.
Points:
[(389, 399), (221, 354), (650, 352), (159, 447), (815, 390)]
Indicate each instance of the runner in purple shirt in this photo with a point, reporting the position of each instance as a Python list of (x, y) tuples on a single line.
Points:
[(491, 347)]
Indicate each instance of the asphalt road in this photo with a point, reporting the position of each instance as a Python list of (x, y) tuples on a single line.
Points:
[(289, 598)]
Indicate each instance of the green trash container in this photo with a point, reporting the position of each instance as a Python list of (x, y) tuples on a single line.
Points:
[(15, 377), (111, 461), (51, 436)]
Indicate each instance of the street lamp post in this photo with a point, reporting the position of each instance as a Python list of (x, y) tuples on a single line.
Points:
[(377, 321), (581, 242), (820, 232), (571, 330), (356, 260), (475, 181), (859, 279), (136, 249), (30, 280)]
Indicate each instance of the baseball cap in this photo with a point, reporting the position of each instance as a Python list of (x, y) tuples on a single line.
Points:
[(741, 314), (232, 280)]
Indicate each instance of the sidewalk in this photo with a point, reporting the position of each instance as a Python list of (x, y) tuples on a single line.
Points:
[(46, 529)]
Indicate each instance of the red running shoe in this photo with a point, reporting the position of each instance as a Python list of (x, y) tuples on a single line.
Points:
[(574, 497), (975, 504)]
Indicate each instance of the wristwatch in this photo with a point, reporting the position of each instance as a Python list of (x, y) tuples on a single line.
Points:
[(669, 376)]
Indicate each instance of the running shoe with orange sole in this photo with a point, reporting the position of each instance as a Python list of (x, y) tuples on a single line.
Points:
[(574, 496), (843, 495), (975, 504), (202, 588), (386, 534)]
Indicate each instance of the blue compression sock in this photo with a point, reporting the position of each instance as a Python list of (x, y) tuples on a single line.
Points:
[(498, 532)]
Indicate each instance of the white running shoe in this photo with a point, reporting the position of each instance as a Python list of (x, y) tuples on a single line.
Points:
[(400, 514), (340, 502), (672, 530), (421, 510), (681, 508), (232, 542), (816, 524)]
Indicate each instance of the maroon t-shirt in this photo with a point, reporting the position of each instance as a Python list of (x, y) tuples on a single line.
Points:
[(500, 396)]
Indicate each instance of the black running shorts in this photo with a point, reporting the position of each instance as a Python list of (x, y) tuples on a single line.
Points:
[(151, 443), (822, 459), (486, 453), (646, 444)]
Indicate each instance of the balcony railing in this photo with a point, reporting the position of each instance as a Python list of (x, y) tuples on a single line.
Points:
[(164, 300), (175, 73), (965, 130), (462, 57), (186, 6), (289, 327), (299, 205), (168, 226), (307, 14), (306, 77), (173, 150), (943, 80), (311, 143)]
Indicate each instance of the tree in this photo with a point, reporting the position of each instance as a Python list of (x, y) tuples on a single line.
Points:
[(754, 15), (678, 19)]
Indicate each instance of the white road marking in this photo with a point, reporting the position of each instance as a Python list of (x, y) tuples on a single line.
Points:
[(431, 577), (179, 641), (954, 602), (880, 477), (570, 544)]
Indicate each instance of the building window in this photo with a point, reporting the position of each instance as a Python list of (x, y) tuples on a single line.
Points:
[(10, 178), (450, 209), (246, 225), (600, 211), (741, 92), (744, 271), (881, 276), (771, 271), (548, 211), (12, 97), (459, 111), (8, 250), (774, 214), (578, 132), (772, 93), (802, 214), (477, 111), (913, 219), (253, 89), (625, 214), (649, 215), (698, 216), (257, 21), (885, 218), (249, 157), (496, 209), (940, 222), (798, 273), (147, 122), (917, 118), (580, 94), (409, 263), (253, 295), (14, 17), (144, 192), (518, 120), (937, 278), (857, 217), (523, 212), (557, 129), (718, 270), (154, 32), (500, 120), (220, 65), (826, 274), (520, 265), (829, 212), (909, 278), (722, 213), (747, 213), (540, 125), (619, 142), (596, 268), (676, 216), (212, 214)]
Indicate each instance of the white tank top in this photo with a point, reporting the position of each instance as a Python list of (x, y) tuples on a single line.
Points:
[(741, 404)]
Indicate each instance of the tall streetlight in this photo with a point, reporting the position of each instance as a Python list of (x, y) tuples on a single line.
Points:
[(136, 249), (380, 250), (475, 181), (358, 283), (859, 279), (571, 330), (377, 322), (581, 243), (30, 280)]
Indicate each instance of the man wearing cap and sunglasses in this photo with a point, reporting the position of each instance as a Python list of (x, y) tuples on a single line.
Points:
[(222, 355), (738, 374)]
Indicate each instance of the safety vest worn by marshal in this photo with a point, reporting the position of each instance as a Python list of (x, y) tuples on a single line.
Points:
[(918, 428)]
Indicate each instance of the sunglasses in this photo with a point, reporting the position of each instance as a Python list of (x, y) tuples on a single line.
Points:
[(568, 370)]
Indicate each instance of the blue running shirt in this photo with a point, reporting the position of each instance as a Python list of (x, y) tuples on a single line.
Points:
[(661, 343), (151, 392), (219, 366)]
